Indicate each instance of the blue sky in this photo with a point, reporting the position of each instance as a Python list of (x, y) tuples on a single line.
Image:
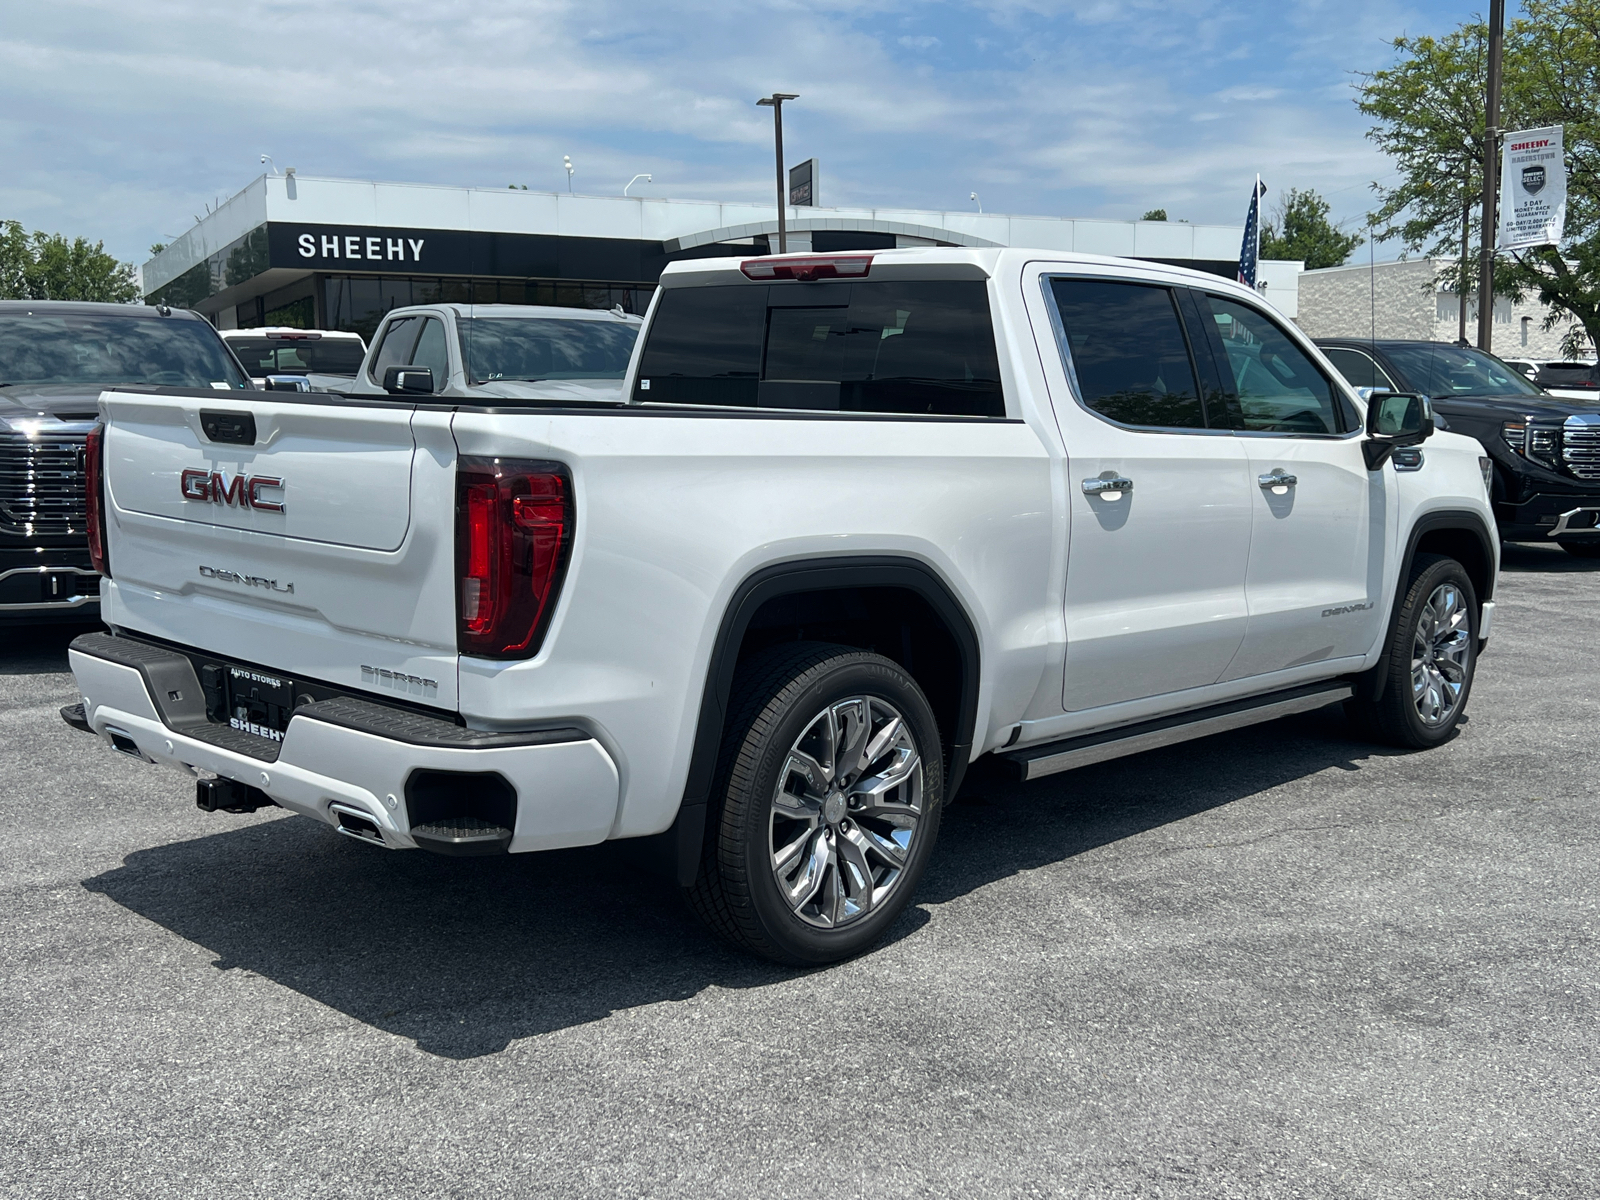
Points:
[(123, 121)]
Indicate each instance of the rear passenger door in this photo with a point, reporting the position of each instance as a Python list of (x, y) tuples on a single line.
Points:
[(1321, 518), (1159, 494)]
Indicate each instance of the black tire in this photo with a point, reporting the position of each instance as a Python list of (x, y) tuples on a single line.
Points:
[(1396, 717), (778, 699), (1584, 549)]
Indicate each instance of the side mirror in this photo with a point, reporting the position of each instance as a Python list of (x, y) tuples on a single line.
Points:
[(401, 381), (287, 383), (1395, 419)]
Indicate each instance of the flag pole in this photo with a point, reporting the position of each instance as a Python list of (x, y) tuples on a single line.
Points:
[(1256, 286)]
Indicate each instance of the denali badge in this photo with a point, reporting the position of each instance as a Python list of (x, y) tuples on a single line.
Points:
[(1346, 608), (260, 581), (397, 679), (243, 492)]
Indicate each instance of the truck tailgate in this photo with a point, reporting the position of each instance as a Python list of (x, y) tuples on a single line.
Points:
[(293, 546)]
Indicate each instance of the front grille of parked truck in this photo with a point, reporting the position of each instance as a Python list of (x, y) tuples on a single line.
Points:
[(1581, 447), (41, 484)]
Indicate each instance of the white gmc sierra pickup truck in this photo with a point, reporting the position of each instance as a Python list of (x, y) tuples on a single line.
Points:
[(856, 520)]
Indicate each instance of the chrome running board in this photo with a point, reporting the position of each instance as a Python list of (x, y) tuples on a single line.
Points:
[(1034, 762)]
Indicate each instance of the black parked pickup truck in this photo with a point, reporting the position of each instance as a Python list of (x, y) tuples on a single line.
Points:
[(55, 359), (1546, 449)]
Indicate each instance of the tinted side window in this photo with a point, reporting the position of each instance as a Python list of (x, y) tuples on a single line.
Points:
[(396, 348), (1358, 370), (1280, 390), (922, 347), (1129, 352), (431, 352)]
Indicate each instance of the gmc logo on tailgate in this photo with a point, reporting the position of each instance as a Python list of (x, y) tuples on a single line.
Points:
[(242, 492)]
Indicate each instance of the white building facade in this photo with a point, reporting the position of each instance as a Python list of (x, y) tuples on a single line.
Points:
[(339, 253), (1405, 299)]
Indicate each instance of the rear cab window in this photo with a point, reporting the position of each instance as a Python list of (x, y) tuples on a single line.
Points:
[(906, 347)]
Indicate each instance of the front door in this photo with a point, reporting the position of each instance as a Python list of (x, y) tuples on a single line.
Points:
[(1318, 539), (1160, 500)]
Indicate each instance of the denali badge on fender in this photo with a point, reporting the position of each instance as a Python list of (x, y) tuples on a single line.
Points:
[(245, 492), (260, 581)]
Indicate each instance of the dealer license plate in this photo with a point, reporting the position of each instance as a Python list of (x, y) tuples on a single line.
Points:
[(259, 704)]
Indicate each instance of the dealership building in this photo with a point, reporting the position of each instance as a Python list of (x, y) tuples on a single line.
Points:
[(339, 253)]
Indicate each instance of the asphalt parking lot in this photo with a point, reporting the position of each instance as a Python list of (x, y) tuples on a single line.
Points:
[(1272, 964)]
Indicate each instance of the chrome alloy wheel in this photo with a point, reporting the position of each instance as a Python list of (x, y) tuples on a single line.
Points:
[(846, 811), (1440, 655)]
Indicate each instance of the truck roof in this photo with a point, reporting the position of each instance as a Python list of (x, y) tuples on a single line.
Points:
[(932, 262), (86, 308), (522, 312)]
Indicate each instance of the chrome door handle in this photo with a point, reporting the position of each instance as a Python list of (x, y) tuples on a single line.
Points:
[(1094, 487), (1278, 478)]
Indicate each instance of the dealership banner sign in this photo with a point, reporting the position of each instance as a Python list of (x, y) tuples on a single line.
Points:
[(1533, 189)]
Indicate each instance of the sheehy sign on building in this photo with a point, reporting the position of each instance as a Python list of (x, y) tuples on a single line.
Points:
[(367, 250), (1533, 189), (364, 249)]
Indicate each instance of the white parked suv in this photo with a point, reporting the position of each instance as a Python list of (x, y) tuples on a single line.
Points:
[(856, 521)]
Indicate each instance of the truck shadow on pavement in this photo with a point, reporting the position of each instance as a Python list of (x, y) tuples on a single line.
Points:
[(38, 649), (465, 956), (1531, 558)]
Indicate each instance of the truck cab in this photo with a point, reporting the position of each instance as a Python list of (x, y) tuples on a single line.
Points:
[(489, 352)]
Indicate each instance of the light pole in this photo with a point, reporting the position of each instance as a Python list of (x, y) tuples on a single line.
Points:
[(566, 161), (634, 180), (1447, 168), (1491, 171), (775, 103)]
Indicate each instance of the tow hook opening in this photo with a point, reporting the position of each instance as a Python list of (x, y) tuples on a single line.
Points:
[(352, 822), (123, 741), (226, 795)]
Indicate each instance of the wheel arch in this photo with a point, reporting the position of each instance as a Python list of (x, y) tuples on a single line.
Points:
[(1460, 534), (812, 582)]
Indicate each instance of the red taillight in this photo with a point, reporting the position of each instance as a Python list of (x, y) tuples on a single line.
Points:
[(94, 499), (808, 267), (513, 530)]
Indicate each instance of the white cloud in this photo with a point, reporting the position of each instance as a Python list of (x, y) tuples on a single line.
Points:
[(120, 121)]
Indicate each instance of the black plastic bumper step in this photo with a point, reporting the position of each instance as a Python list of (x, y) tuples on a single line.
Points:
[(462, 835)]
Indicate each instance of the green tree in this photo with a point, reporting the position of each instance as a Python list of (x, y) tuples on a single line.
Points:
[(46, 266), (16, 256), (1155, 214), (1427, 113), (1300, 229)]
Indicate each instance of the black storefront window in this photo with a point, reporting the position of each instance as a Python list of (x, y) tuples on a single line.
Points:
[(358, 304)]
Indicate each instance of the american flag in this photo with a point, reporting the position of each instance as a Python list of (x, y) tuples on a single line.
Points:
[(1250, 251)]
